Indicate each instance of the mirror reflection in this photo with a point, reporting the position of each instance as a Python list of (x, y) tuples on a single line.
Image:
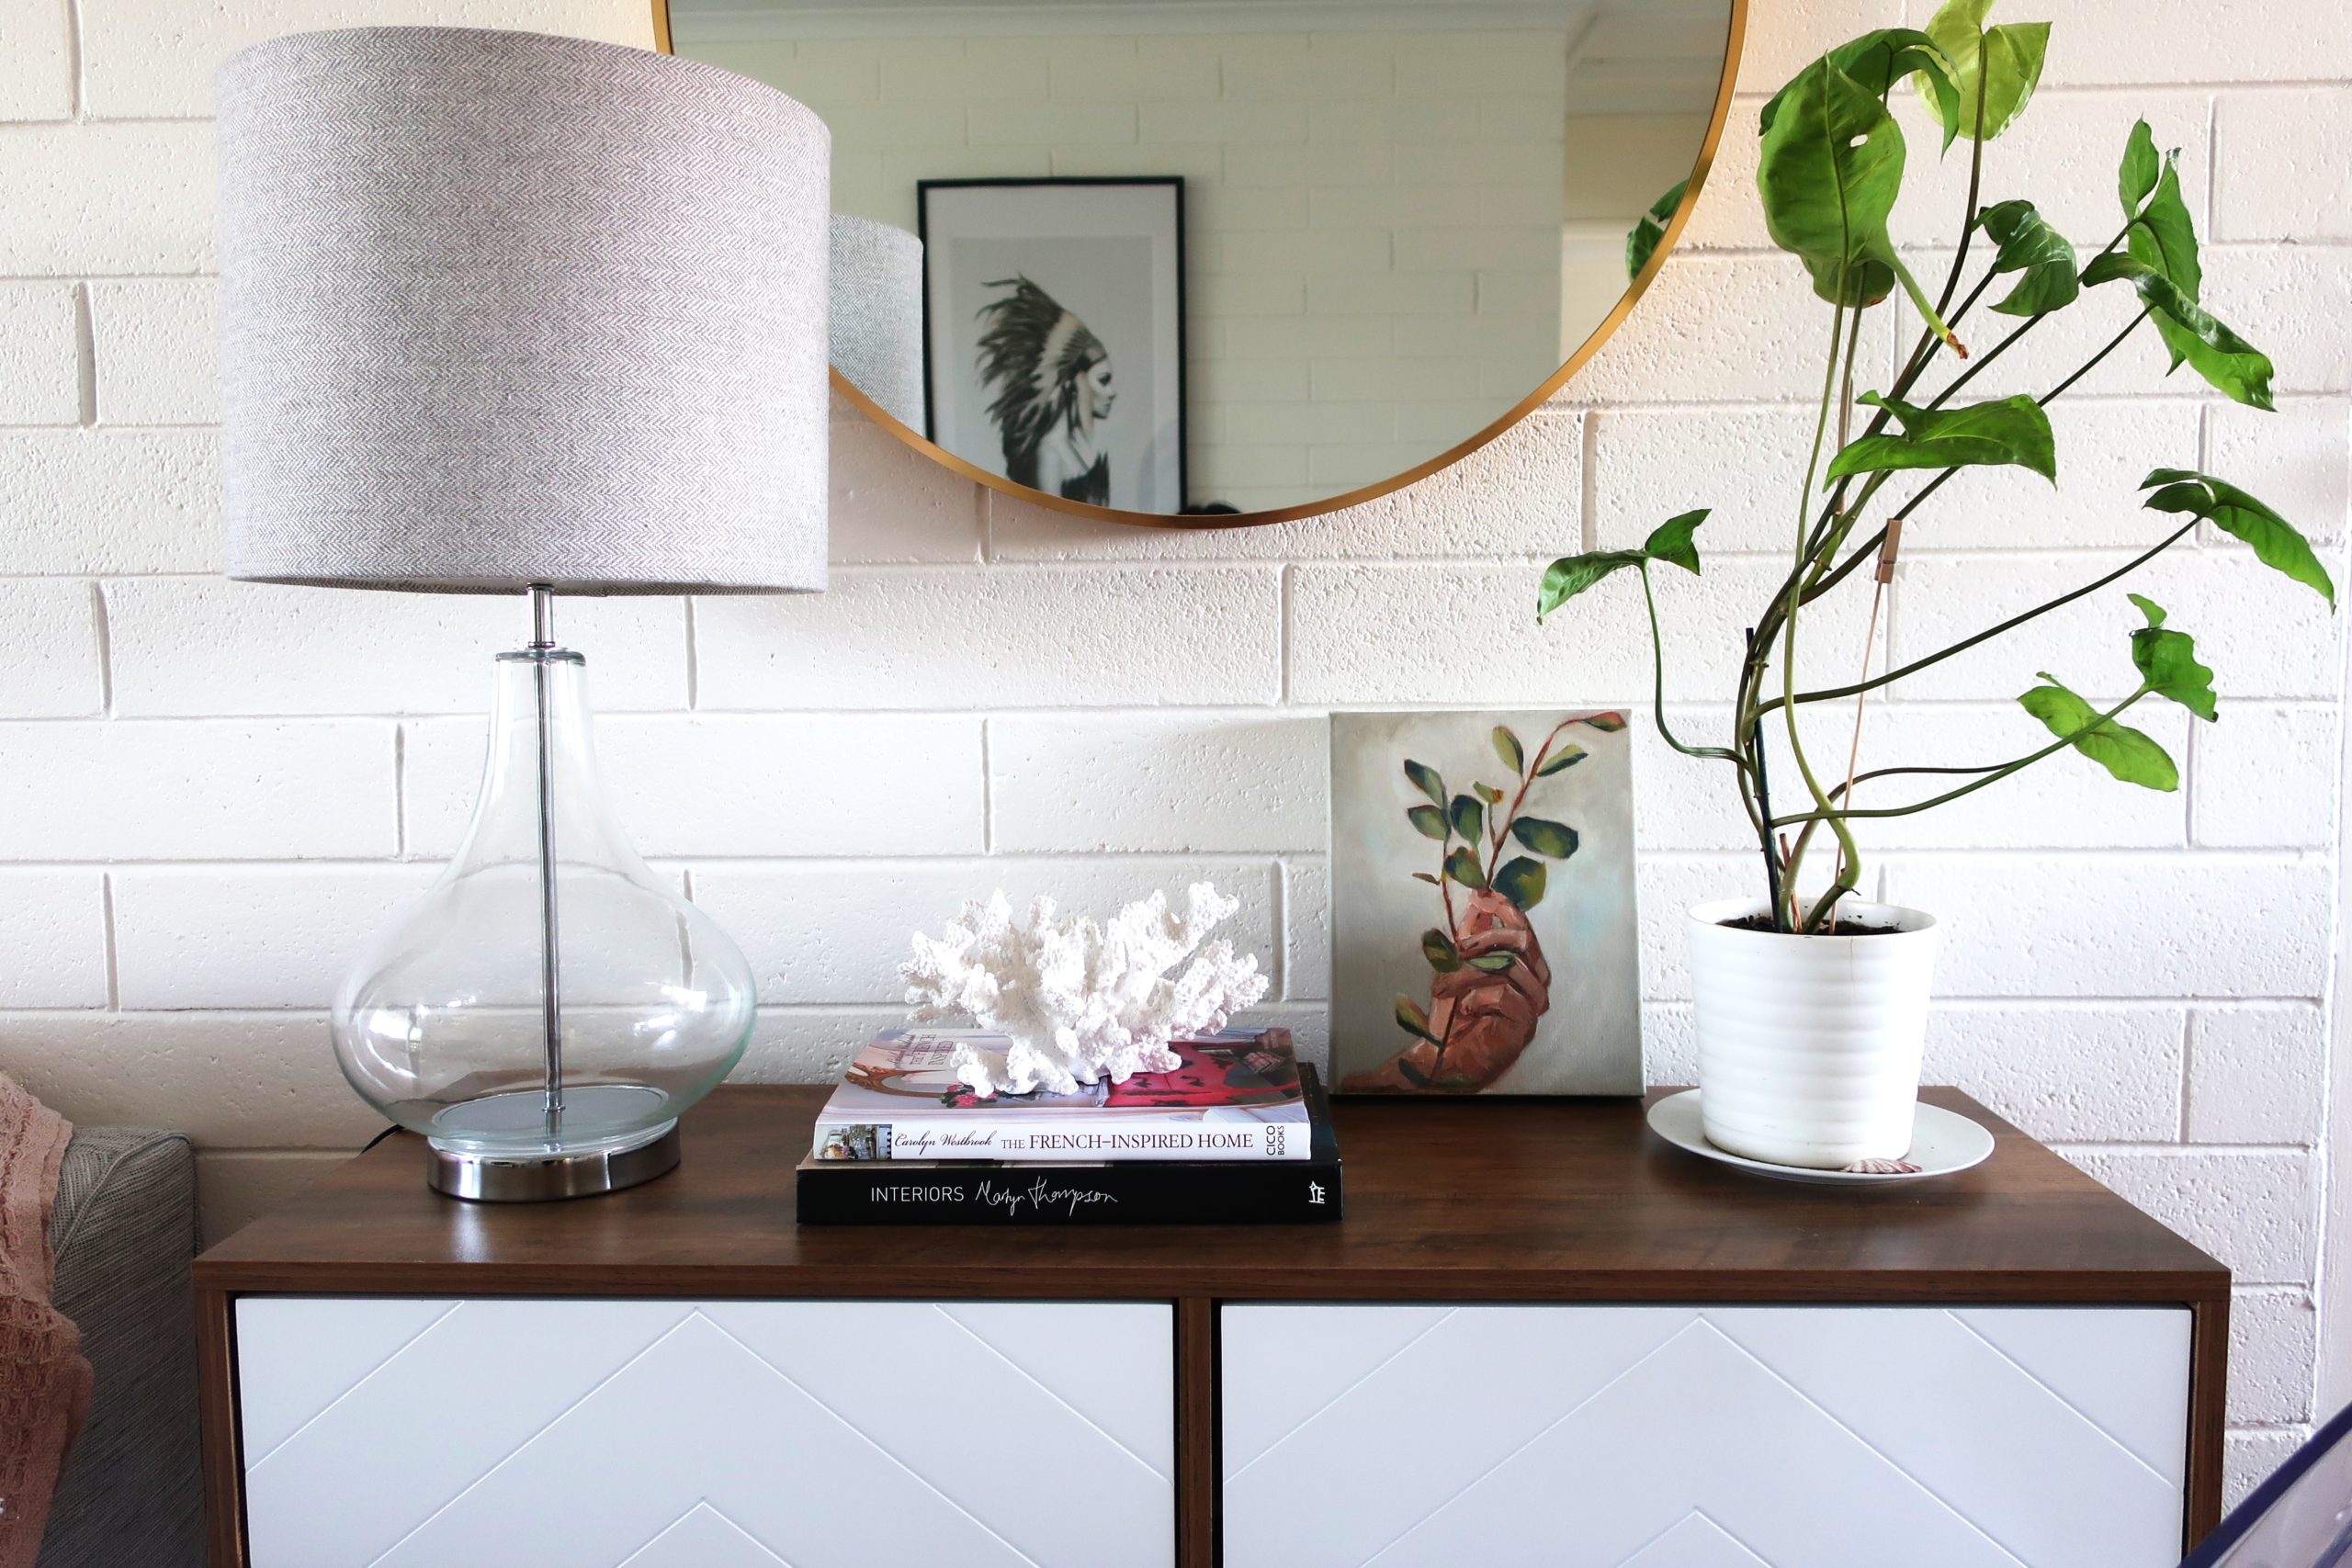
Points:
[(1197, 256)]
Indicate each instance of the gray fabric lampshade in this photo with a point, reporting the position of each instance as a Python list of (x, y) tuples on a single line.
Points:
[(499, 308), (878, 314)]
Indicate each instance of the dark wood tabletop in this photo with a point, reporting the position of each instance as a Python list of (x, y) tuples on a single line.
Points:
[(1554, 1201)]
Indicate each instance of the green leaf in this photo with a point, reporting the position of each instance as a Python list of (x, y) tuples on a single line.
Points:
[(2277, 543), (1507, 747), (1561, 761), (2126, 752), (1545, 837), (2010, 430), (1461, 866), (2030, 245), (1425, 876), (1494, 962), (1671, 540), (1430, 820), (1876, 61), (1469, 817), (1829, 171), (1522, 880), (1642, 239), (1413, 1020), (2137, 177), (1571, 575), (1425, 779), (1487, 793), (2003, 62), (1439, 949), (2225, 360), (1607, 723), (2167, 663)]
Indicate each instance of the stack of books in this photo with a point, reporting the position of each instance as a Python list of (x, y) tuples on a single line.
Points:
[(1239, 1134)]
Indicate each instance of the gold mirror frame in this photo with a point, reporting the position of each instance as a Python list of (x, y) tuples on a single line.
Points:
[(1734, 37)]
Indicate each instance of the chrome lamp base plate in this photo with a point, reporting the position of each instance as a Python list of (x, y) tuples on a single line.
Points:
[(542, 1178)]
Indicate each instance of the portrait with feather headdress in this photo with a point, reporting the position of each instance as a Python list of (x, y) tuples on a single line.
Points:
[(1051, 388)]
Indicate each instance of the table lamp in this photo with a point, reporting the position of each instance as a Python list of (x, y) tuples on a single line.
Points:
[(503, 314)]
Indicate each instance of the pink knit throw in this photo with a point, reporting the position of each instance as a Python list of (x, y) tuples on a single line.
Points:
[(44, 1382)]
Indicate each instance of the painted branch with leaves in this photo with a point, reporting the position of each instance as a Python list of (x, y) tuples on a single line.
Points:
[(1830, 166)]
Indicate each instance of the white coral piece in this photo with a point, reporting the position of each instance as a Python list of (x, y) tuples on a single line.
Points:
[(1080, 1002)]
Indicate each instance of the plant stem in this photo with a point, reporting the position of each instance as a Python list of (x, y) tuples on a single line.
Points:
[(1833, 692), (1657, 688), (1849, 856), (1836, 816)]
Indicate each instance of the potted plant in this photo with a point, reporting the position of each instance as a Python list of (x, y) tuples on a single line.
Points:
[(1810, 1005)]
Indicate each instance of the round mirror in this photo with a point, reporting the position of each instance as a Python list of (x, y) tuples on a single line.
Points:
[(1231, 261)]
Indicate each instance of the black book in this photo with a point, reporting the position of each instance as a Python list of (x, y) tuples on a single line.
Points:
[(1127, 1193)]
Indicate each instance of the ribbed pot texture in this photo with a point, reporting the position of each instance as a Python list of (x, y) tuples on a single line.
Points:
[(1809, 1046)]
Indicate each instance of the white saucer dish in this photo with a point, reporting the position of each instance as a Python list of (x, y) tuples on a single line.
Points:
[(1942, 1142)]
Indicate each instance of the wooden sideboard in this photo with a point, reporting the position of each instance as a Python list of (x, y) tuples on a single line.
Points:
[(1540, 1334)]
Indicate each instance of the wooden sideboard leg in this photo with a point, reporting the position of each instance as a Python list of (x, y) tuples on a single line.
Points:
[(1196, 1476), (216, 1354), (2209, 1381)]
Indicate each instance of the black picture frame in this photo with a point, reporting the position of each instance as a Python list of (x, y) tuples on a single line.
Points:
[(1139, 466)]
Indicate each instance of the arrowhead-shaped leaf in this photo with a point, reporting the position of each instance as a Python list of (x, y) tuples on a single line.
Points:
[(1469, 817), (2277, 543), (1571, 575), (2167, 663), (1425, 779), (1430, 820), (1522, 880), (1556, 839), (1671, 541), (2127, 753), (1461, 866), (2011, 431), (2003, 62), (1642, 239), (1507, 747), (2225, 360), (1876, 61), (1439, 949), (1564, 758), (1829, 170), (2030, 245)]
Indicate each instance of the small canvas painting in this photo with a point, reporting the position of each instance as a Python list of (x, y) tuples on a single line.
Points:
[(1482, 894)]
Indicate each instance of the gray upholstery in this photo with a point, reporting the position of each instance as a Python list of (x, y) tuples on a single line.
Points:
[(123, 1232)]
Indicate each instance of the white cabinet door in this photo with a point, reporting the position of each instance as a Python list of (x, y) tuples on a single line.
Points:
[(593, 1434), (1571, 1437)]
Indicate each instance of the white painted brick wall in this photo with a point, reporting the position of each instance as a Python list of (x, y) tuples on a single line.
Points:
[(208, 792)]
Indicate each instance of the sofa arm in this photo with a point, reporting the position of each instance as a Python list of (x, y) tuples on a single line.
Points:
[(123, 1232)]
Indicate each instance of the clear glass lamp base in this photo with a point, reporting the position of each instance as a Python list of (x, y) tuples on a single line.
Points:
[(484, 1149)]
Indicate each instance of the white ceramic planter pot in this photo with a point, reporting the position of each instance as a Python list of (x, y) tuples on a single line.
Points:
[(1809, 1046)]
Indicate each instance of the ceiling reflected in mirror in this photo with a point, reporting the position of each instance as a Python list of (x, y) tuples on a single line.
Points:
[(1231, 262)]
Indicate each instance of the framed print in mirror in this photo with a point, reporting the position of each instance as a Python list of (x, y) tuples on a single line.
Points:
[(1483, 935), (1054, 333)]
